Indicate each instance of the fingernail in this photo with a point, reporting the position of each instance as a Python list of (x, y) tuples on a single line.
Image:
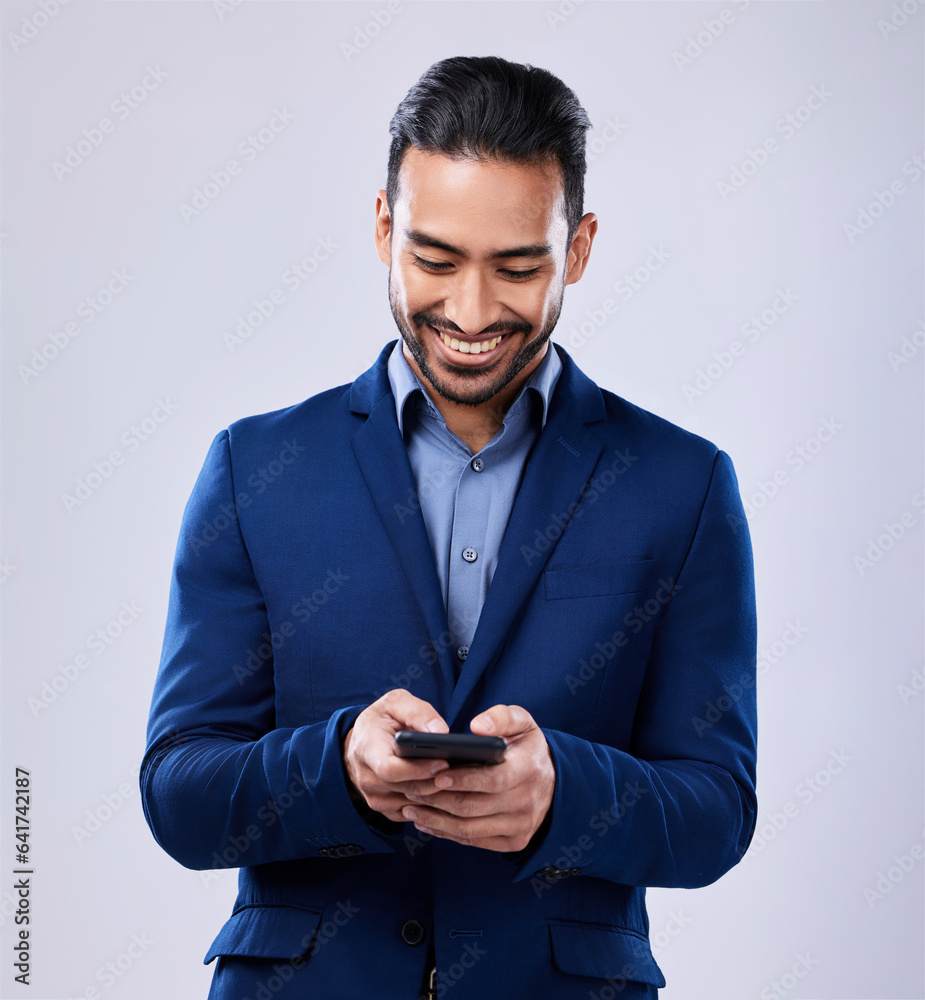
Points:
[(487, 722), (434, 726), (410, 814)]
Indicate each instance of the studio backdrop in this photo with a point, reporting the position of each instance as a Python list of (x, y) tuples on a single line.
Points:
[(188, 196)]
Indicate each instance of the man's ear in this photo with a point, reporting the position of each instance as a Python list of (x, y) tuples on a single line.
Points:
[(383, 233), (580, 249)]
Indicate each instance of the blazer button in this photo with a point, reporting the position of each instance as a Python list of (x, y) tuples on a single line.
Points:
[(553, 874), (413, 932), (341, 851)]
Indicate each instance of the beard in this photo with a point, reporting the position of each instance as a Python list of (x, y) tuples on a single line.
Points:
[(460, 383)]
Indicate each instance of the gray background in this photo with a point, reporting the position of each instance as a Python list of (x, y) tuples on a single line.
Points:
[(840, 689)]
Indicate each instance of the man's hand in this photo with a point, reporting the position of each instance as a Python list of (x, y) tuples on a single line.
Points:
[(378, 774), (498, 807)]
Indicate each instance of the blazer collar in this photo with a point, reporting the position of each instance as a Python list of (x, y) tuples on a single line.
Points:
[(585, 396)]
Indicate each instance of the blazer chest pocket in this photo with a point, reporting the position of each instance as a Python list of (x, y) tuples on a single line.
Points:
[(599, 579)]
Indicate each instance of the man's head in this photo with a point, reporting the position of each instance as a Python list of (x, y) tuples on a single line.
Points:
[(481, 221)]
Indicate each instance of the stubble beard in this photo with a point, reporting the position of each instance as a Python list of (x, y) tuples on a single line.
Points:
[(484, 386)]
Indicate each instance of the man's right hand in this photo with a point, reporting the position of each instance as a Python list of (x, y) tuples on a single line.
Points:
[(372, 765)]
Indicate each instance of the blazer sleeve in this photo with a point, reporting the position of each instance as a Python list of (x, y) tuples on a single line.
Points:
[(680, 810), (221, 786)]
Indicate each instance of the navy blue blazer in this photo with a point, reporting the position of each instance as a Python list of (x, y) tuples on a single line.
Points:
[(621, 615)]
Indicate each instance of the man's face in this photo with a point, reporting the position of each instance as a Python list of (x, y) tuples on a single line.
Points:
[(478, 265)]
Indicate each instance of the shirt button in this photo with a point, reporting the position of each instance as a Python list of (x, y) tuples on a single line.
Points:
[(477, 464), (470, 555), (462, 652), (413, 932)]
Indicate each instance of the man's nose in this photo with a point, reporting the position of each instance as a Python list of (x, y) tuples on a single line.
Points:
[(472, 303)]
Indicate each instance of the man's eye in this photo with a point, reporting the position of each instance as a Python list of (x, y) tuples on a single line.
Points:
[(430, 265), (439, 267), (520, 275)]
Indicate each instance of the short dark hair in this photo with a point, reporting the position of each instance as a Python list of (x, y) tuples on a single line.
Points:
[(483, 107)]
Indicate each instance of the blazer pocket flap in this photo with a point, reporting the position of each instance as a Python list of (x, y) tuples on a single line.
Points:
[(605, 953), (599, 580), (281, 932)]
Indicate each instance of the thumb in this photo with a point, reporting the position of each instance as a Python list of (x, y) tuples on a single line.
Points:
[(503, 720), (414, 713)]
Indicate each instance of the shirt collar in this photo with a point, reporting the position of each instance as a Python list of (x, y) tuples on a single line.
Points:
[(405, 383)]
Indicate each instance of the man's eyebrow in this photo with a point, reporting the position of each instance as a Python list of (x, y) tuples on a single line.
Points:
[(422, 239)]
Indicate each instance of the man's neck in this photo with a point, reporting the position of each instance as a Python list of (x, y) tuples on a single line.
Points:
[(475, 426)]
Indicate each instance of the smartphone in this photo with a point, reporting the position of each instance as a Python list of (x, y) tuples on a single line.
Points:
[(457, 748)]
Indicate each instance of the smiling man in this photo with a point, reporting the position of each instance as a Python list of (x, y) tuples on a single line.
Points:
[(470, 537)]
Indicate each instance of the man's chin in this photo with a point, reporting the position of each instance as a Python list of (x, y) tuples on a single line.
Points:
[(456, 383), (472, 389), (468, 385), (463, 376)]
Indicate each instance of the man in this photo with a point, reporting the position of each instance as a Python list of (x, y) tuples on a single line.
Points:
[(470, 536)]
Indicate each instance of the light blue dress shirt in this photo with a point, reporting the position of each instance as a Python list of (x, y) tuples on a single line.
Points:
[(466, 499)]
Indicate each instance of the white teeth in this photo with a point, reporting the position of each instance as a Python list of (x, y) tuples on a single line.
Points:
[(464, 347)]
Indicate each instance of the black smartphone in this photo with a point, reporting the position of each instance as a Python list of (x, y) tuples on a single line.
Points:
[(457, 748)]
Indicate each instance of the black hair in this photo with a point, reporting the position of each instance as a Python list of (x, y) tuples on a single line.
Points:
[(483, 107)]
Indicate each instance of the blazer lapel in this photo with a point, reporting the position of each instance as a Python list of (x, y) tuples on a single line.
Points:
[(561, 464), (383, 460)]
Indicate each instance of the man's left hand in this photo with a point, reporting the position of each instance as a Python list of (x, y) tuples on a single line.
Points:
[(498, 807)]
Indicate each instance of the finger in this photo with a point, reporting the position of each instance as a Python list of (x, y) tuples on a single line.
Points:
[(492, 778), (380, 772), (448, 822), (389, 805), (465, 805), (409, 712), (388, 767), (503, 845), (501, 830), (468, 778), (400, 770), (509, 721)]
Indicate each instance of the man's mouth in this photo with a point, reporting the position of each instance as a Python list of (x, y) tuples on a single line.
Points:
[(469, 346)]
